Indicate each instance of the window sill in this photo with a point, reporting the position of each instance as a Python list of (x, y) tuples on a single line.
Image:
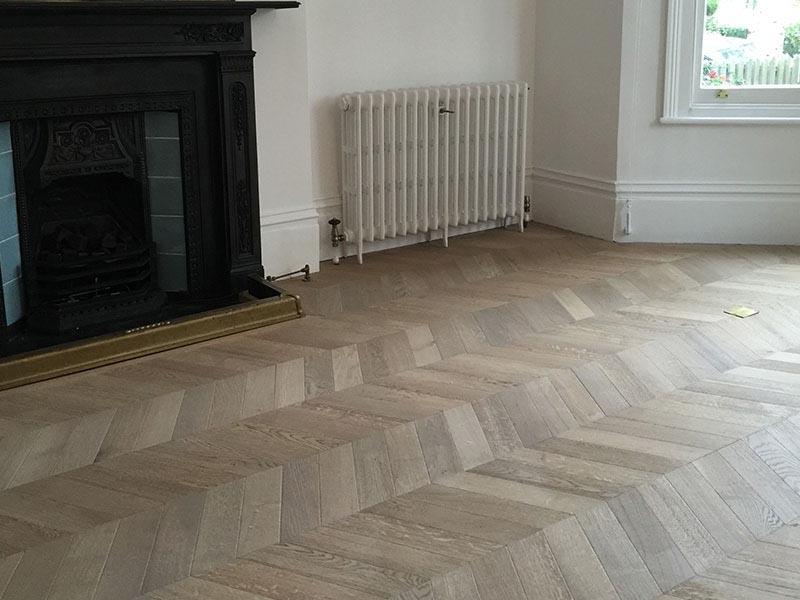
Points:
[(730, 120)]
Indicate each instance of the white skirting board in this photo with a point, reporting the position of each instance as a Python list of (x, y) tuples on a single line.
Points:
[(574, 203), (749, 217), (289, 241), (683, 212), (667, 213)]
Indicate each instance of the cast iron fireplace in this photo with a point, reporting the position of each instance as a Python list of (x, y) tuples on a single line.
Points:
[(92, 259), (132, 128)]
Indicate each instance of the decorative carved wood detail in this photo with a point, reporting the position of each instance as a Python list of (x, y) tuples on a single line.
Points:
[(242, 202), (212, 33), (239, 109), (236, 62), (85, 146), (244, 222)]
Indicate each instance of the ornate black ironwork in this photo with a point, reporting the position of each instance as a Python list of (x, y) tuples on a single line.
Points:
[(244, 222), (242, 204), (236, 62), (239, 108), (212, 33), (84, 146)]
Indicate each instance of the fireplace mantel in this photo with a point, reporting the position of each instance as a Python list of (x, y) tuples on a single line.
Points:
[(139, 6), (55, 28), (71, 61)]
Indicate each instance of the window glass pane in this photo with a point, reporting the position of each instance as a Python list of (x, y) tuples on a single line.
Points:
[(751, 43)]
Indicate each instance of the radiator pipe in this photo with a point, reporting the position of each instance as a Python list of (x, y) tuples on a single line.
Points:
[(305, 270)]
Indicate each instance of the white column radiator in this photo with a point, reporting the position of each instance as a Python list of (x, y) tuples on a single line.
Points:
[(422, 160)]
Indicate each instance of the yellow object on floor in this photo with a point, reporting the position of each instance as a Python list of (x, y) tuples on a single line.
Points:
[(742, 312)]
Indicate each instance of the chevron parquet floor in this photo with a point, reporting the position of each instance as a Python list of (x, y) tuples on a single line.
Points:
[(535, 416)]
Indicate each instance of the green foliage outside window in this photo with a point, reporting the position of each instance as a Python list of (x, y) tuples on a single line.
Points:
[(791, 43), (735, 32)]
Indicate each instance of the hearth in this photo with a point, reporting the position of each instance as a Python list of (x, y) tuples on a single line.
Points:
[(128, 171)]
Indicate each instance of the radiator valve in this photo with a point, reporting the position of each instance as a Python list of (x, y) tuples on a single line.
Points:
[(528, 208), (336, 236)]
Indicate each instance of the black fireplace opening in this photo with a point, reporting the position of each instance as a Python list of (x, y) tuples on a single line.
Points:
[(88, 251), (94, 261)]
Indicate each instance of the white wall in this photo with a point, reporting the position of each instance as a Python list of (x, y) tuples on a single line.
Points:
[(697, 183), (289, 229), (356, 45), (596, 143), (308, 57), (576, 113), (601, 150)]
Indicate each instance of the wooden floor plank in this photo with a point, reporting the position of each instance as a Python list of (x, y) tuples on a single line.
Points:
[(280, 584), (659, 552), (766, 579), (673, 435), (630, 459), (623, 565), (591, 485), (334, 568), (706, 504), (417, 536), (585, 576), (488, 506), (551, 499), (538, 570), (774, 490), (197, 588), (456, 585), (783, 462), (381, 552), (631, 443), (728, 431), (496, 577), (751, 509), (490, 529), (772, 555), (690, 536), (711, 589)]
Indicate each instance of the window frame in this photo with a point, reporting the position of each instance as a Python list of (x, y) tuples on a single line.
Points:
[(687, 102)]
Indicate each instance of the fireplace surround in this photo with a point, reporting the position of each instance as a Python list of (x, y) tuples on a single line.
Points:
[(131, 127)]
